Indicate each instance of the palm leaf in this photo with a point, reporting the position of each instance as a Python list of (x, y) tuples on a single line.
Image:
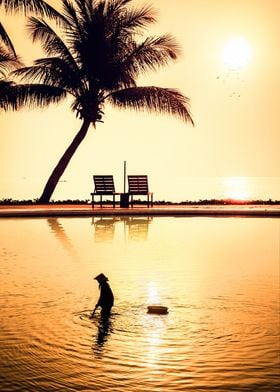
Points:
[(134, 20), (127, 60), (70, 14), (6, 40), (153, 53), (153, 99), (85, 7), (14, 97), (112, 6), (52, 71), (7, 62), (51, 42), (35, 7)]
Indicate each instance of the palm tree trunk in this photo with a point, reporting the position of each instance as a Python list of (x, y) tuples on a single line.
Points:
[(62, 164)]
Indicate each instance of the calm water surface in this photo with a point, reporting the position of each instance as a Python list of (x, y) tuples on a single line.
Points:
[(219, 278)]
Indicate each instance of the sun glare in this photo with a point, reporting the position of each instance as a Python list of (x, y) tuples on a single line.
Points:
[(153, 297), (236, 188), (237, 53)]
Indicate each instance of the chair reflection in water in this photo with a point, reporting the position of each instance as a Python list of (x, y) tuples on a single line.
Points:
[(138, 228), (135, 228), (104, 228)]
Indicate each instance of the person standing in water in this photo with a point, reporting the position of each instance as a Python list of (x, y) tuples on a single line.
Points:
[(106, 298)]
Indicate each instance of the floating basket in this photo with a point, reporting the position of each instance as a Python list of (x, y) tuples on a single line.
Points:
[(158, 309)]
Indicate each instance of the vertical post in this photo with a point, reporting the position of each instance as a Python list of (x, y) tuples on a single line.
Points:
[(124, 197), (124, 175)]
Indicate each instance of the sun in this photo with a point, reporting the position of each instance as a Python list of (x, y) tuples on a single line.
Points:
[(237, 53), (236, 188)]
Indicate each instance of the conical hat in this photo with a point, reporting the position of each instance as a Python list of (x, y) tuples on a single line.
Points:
[(101, 278)]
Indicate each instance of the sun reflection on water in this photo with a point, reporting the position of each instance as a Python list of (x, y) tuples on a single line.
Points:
[(153, 296), (155, 329)]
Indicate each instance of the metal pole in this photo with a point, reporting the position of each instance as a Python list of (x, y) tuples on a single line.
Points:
[(124, 175)]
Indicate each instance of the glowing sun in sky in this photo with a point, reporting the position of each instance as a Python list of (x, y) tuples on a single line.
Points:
[(236, 188), (237, 53)]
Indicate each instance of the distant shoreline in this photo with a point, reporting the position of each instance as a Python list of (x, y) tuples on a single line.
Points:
[(216, 202)]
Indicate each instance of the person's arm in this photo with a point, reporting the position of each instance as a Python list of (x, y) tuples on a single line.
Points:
[(96, 306), (92, 314)]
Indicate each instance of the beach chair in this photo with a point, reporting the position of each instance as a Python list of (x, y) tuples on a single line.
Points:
[(103, 186), (138, 186)]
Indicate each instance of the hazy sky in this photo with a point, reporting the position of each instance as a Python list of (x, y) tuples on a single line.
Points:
[(234, 103)]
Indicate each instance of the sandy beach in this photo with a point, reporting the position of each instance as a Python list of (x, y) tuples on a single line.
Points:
[(14, 211)]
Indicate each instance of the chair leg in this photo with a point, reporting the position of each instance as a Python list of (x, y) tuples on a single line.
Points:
[(92, 200), (101, 201), (114, 201)]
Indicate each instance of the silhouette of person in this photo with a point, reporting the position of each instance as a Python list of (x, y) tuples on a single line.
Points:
[(106, 298)]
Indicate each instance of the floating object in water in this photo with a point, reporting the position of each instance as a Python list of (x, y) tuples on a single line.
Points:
[(158, 309)]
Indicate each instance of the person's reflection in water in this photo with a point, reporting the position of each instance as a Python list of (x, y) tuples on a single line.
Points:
[(104, 329)]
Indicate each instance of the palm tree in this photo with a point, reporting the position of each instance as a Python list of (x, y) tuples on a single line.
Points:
[(96, 57)]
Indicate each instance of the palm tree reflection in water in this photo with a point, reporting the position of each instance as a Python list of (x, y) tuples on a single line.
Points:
[(59, 231)]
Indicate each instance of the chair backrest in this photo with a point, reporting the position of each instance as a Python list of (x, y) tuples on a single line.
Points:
[(138, 185), (104, 184)]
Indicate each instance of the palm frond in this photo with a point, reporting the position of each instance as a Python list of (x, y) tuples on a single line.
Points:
[(7, 62), (137, 19), (34, 7), (112, 6), (154, 52), (153, 99), (84, 7), (6, 40), (14, 97), (70, 14), (61, 73), (127, 60), (51, 42), (7, 96), (41, 31), (52, 71), (31, 74), (149, 55)]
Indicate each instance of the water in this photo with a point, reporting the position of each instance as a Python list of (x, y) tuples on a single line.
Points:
[(219, 278)]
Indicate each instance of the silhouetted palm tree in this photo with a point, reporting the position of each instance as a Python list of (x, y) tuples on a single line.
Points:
[(96, 57)]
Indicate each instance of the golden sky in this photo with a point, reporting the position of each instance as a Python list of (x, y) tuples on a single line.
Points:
[(234, 103)]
